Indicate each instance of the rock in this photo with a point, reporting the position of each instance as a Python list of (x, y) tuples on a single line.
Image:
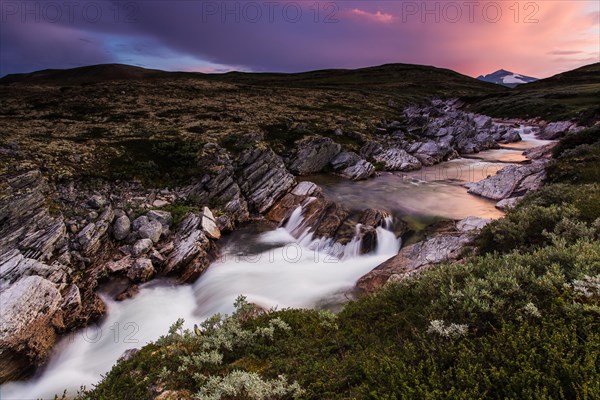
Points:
[(359, 171), (142, 270), (152, 230), (397, 160), (71, 304), (164, 217), (27, 334), (482, 122), (540, 152), (142, 246), (127, 354), (159, 203), (124, 263), (128, 293), (92, 236), (508, 180), (312, 155), (97, 201), (282, 210), (209, 226), (139, 222), (507, 204), (511, 136), (413, 258), (324, 216), (189, 257), (471, 224), (305, 189), (121, 227), (219, 184), (555, 130), (344, 160), (262, 178), (349, 165)]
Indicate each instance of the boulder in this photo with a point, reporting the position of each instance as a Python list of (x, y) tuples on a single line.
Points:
[(262, 178), (351, 166), (121, 227), (209, 225), (142, 270), (219, 184), (27, 328), (139, 222), (152, 230), (142, 246), (396, 159), (93, 236), (164, 217), (413, 258), (471, 224), (312, 155), (282, 210), (189, 257), (97, 201), (508, 180), (359, 171)]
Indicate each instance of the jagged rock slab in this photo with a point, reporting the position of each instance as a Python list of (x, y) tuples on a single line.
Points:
[(189, 257), (27, 327), (312, 154), (512, 178), (262, 178)]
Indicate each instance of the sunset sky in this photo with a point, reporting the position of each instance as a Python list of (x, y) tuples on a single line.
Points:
[(539, 38)]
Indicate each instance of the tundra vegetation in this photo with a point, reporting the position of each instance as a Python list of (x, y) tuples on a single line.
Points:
[(520, 319)]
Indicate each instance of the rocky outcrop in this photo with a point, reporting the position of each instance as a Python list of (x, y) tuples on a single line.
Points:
[(188, 257), (312, 155), (392, 159), (30, 315), (351, 166), (219, 185), (262, 178), (292, 200), (510, 182), (555, 130), (442, 247)]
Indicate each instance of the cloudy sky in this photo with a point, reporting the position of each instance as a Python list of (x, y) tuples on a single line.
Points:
[(537, 38)]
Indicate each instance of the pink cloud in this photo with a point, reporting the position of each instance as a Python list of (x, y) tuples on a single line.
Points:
[(378, 16)]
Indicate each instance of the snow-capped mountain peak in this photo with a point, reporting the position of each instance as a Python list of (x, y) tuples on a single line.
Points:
[(506, 78)]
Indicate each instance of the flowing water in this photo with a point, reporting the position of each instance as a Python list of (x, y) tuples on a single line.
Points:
[(284, 267)]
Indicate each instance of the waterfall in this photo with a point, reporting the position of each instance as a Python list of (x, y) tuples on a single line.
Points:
[(296, 271)]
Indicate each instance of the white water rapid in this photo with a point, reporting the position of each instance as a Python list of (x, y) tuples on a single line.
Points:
[(295, 271)]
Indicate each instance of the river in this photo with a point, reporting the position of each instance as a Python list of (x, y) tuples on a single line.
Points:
[(281, 267)]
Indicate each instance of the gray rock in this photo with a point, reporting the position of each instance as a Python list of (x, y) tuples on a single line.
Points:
[(164, 217), (397, 160), (27, 328), (139, 222), (349, 165), (482, 122), (344, 160), (262, 178), (209, 225), (97, 201), (121, 227), (508, 180), (152, 230), (124, 263), (312, 155), (142, 246), (189, 257), (359, 171), (414, 258), (142, 270), (471, 224)]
